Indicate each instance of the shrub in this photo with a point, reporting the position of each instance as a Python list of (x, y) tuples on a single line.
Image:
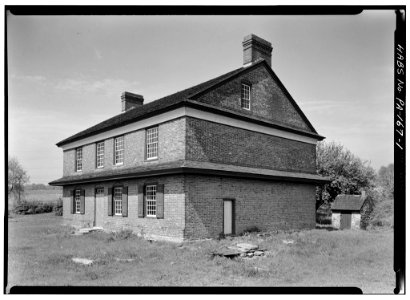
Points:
[(28, 208), (250, 229), (123, 234), (58, 208)]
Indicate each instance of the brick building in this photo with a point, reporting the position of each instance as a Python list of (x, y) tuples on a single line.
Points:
[(220, 157)]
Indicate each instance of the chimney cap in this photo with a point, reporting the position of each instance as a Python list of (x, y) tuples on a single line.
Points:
[(128, 95), (256, 38)]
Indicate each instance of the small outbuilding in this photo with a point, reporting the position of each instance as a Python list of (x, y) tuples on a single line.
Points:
[(351, 211)]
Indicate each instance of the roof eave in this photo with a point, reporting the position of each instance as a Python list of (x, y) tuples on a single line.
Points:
[(190, 170)]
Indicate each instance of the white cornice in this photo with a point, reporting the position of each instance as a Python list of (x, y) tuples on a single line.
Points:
[(189, 112)]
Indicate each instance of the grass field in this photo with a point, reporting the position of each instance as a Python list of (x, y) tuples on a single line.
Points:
[(41, 249)]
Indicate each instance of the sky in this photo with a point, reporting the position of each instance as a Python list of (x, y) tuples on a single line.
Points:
[(67, 73)]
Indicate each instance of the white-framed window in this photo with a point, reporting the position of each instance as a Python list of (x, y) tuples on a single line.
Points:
[(119, 150), (99, 192), (151, 200), (246, 96), (100, 154), (79, 159), (77, 201), (152, 143), (118, 201)]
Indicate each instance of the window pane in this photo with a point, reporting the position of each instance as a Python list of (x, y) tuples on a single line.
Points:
[(100, 155), (79, 159), (78, 201), (152, 143), (245, 96), (119, 150), (151, 196), (118, 201), (99, 192)]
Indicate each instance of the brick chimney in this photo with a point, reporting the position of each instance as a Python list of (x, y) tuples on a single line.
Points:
[(255, 48), (130, 100)]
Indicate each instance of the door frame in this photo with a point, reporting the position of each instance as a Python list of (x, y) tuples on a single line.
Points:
[(233, 200), (95, 203), (344, 217)]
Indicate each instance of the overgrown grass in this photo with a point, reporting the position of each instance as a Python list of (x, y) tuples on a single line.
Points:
[(41, 251)]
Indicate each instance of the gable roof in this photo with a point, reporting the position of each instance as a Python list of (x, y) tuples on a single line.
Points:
[(186, 97), (348, 202)]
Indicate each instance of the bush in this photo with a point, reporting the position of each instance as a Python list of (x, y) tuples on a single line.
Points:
[(250, 229), (28, 208), (123, 234), (58, 208), (382, 215)]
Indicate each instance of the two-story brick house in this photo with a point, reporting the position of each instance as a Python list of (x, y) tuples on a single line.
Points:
[(225, 155)]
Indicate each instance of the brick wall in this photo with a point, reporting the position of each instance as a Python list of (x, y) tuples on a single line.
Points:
[(171, 147), (267, 205), (267, 99), (211, 142), (171, 227)]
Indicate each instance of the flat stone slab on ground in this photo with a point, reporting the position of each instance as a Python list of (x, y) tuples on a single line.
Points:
[(83, 261), (288, 241), (227, 252), (258, 253), (247, 246)]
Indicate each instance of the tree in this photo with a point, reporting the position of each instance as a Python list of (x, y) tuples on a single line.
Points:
[(17, 178), (385, 178), (349, 174)]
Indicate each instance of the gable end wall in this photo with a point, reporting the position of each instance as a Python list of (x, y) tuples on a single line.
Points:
[(268, 101)]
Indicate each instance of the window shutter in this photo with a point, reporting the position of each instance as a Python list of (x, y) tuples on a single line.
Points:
[(72, 196), (160, 201), (82, 202), (125, 201), (109, 201), (141, 201)]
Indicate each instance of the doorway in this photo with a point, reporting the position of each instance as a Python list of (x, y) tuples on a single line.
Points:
[(99, 207), (228, 217), (345, 220)]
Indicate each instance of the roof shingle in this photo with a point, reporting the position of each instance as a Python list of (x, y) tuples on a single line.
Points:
[(348, 202)]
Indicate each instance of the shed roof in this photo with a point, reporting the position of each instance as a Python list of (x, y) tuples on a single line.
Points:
[(191, 167), (348, 202)]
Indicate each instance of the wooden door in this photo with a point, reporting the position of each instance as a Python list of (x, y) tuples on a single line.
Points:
[(99, 207), (345, 220), (228, 216)]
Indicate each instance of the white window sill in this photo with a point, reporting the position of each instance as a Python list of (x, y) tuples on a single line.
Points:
[(102, 167), (118, 214), (152, 158), (119, 164)]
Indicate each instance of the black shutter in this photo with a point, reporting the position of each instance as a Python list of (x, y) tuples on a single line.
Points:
[(82, 202), (125, 201), (141, 210), (160, 201), (109, 201), (72, 196)]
